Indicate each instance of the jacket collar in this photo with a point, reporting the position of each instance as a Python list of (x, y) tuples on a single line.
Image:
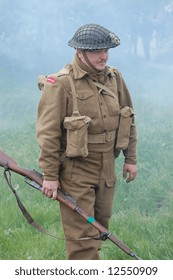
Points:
[(80, 69)]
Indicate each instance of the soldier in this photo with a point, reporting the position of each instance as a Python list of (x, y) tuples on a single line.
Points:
[(85, 118)]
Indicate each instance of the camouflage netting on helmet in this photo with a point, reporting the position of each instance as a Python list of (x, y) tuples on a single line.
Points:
[(94, 37)]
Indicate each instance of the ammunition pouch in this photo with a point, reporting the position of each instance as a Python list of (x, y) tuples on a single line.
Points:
[(126, 116), (77, 135)]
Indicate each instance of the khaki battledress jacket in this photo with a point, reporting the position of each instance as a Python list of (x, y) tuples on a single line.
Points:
[(89, 180), (104, 110)]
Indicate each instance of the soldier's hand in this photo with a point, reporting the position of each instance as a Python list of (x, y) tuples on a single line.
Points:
[(50, 188), (129, 172)]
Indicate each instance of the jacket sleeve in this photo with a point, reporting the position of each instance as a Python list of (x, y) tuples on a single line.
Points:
[(130, 153), (51, 113)]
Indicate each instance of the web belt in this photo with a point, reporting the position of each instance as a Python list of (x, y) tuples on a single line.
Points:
[(101, 138)]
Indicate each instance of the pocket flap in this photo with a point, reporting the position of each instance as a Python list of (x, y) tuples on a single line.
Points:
[(75, 123)]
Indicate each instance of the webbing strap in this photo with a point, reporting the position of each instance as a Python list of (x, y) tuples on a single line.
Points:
[(106, 89), (74, 95)]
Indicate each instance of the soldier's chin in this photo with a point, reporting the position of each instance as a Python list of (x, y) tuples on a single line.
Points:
[(101, 66)]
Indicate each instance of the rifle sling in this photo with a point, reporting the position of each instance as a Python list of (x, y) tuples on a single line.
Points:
[(30, 220)]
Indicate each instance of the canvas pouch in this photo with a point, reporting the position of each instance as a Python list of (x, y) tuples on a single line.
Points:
[(126, 115), (77, 135)]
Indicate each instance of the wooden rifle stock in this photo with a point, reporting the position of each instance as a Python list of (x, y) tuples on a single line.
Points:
[(35, 179)]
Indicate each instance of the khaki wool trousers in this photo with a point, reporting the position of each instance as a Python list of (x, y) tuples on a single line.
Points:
[(91, 182)]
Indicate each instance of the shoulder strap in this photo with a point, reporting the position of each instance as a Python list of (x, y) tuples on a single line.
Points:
[(99, 85), (74, 95), (66, 71)]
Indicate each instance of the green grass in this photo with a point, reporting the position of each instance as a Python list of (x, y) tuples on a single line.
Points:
[(142, 213)]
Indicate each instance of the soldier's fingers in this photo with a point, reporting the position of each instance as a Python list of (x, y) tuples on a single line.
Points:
[(124, 173), (54, 195), (131, 177)]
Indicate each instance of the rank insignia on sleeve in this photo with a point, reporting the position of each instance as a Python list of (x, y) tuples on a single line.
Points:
[(51, 80)]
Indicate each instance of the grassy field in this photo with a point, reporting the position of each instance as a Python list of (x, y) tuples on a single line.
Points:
[(142, 213)]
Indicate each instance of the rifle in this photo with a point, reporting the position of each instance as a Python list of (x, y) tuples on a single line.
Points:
[(35, 179)]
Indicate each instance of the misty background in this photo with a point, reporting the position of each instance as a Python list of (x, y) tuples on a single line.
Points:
[(34, 37)]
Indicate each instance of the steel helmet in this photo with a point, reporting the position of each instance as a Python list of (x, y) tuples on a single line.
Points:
[(93, 37)]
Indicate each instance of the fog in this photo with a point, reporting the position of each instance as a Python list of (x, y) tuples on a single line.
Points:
[(34, 39)]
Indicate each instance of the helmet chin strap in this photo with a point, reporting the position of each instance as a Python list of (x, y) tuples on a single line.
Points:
[(88, 61)]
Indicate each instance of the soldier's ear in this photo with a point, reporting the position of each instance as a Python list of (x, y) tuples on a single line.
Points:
[(79, 53)]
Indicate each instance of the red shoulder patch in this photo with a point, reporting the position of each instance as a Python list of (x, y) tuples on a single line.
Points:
[(51, 80)]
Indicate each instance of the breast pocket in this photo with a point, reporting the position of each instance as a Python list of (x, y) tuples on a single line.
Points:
[(87, 103)]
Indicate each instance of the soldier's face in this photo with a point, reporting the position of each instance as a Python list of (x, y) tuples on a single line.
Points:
[(97, 58)]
